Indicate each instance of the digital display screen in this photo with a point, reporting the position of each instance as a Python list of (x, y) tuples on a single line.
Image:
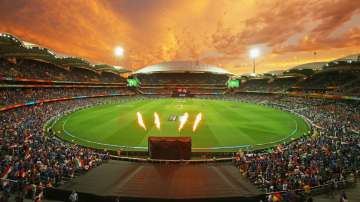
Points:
[(133, 82), (233, 83)]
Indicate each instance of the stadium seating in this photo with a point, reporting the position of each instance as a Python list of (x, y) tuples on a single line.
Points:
[(182, 78), (195, 83), (29, 155), (282, 83), (31, 69), (329, 79), (336, 80), (11, 96), (329, 157), (38, 159), (254, 84)]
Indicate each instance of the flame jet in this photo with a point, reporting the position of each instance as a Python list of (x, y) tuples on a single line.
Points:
[(140, 120), (183, 119), (157, 120), (197, 121)]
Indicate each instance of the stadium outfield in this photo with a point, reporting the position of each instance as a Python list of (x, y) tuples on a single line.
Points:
[(226, 125)]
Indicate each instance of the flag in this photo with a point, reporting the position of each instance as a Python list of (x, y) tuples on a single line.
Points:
[(277, 196), (6, 172), (22, 173), (79, 162)]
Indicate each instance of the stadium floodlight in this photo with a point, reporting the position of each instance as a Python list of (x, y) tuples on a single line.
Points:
[(119, 51), (254, 53)]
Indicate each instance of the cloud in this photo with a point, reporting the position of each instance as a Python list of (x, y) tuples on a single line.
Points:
[(218, 32)]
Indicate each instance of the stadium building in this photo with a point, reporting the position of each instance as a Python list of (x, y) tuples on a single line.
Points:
[(182, 78), (179, 130)]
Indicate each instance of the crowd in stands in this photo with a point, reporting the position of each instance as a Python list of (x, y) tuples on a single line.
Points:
[(351, 88), (269, 84), (336, 81), (10, 96), (183, 78), (195, 83), (31, 69), (328, 157), (282, 84), (256, 84), (330, 79), (31, 160), (190, 90)]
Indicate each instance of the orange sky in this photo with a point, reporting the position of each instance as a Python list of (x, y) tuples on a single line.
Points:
[(218, 32)]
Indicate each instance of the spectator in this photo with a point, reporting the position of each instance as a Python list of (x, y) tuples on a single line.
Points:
[(73, 196)]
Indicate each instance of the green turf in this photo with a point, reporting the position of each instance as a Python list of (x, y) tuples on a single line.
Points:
[(225, 123)]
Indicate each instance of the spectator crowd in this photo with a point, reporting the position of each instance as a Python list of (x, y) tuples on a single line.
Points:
[(31, 160), (330, 156), (32, 69), (9, 96)]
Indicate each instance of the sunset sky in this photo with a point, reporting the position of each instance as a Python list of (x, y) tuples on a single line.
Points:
[(218, 32)]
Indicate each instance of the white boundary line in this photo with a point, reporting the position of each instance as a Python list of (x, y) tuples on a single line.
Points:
[(93, 142), (209, 148)]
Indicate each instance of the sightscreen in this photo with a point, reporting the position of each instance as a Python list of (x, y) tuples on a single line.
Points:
[(170, 148)]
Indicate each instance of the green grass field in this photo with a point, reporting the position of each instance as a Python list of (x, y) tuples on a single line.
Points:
[(224, 124)]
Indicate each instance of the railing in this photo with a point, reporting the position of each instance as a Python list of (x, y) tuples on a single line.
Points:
[(320, 189), (148, 160)]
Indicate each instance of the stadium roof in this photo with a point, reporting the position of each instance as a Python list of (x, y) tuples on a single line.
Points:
[(354, 57), (11, 46), (313, 66), (181, 67), (276, 72)]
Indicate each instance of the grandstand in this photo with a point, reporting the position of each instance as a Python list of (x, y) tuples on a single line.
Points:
[(191, 77), (277, 133), (334, 78), (22, 61)]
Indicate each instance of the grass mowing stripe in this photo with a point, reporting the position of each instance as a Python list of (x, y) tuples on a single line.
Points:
[(224, 123)]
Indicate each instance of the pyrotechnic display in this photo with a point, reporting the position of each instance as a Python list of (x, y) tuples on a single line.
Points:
[(164, 99), (157, 120), (183, 119), (140, 120), (197, 121)]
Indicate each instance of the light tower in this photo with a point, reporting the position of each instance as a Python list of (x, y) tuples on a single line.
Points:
[(254, 53)]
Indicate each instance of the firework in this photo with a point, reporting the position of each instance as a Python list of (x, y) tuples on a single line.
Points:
[(140, 120), (157, 120), (197, 121), (183, 119)]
